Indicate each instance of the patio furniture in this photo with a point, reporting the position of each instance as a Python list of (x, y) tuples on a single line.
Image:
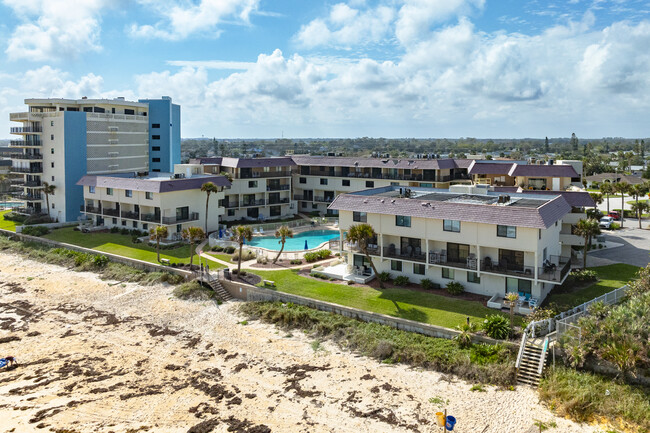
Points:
[(488, 263), (418, 251), (391, 249), (532, 302), (409, 250)]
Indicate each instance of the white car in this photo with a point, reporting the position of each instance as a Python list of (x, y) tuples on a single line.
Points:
[(605, 222)]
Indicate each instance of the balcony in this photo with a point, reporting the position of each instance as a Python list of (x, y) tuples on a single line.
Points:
[(25, 143), (112, 212), (279, 201), (32, 156), (440, 258), (91, 209), (506, 268), (265, 174), (301, 197), (150, 217), (231, 204), (31, 170), (27, 197), (26, 129), (278, 188), (250, 203), (555, 269), (18, 117), (27, 211), (130, 215), (324, 199), (33, 184), (412, 254), (192, 216)]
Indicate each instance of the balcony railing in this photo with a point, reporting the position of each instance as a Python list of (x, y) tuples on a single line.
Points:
[(250, 203), (27, 211), (555, 268), (436, 258), (413, 254), (192, 216), (259, 174), (26, 129), (28, 197), (25, 143), (90, 209), (130, 215), (150, 217), (278, 188), (324, 199), (230, 204), (30, 170), (279, 201), (301, 197), (112, 212), (35, 156), (506, 268), (33, 184)]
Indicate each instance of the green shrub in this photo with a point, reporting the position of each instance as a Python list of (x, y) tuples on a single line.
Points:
[(124, 231), (311, 257), (402, 280), (217, 249), (614, 226), (455, 288), (115, 229), (229, 250), (496, 326), (584, 275), (246, 255), (100, 261), (193, 290), (296, 262), (35, 230), (37, 219), (13, 216), (427, 284), (384, 277), (323, 254)]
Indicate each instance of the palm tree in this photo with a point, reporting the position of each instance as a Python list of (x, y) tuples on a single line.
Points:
[(512, 298), (283, 233), (363, 234), (156, 234), (637, 191), (606, 189), (208, 188), (242, 234), (622, 188), (597, 198), (640, 207), (587, 229), (47, 190), (193, 234)]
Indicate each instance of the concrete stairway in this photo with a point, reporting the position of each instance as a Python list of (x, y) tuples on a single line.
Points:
[(531, 358), (215, 284)]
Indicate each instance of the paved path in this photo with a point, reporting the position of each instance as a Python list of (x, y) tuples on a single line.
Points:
[(635, 250)]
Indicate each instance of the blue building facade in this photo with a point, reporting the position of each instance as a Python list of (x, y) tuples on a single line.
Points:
[(75, 155), (164, 134)]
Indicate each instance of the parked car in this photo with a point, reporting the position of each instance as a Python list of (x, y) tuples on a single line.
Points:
[(606, 222), (615, 214)]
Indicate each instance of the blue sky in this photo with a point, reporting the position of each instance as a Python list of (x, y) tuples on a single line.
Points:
[(381, 68)]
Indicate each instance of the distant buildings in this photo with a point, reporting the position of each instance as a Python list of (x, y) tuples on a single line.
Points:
[(61, 140)]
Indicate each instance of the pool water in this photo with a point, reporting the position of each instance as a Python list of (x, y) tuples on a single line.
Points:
[(297, 243), (11, 204)]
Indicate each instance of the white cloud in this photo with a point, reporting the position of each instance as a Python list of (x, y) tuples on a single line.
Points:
[(346, 26), (54, 29), (182, 19)]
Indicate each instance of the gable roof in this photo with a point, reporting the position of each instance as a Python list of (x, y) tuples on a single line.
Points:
[(283, 161), (365, 162), (543, 170), (616, 177), (500, 168), (152, 185)]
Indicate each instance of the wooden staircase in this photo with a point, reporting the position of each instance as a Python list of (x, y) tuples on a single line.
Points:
[(215, 285), (531, 361)]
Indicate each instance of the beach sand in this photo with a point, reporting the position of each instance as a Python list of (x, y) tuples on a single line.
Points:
[(99, 356)]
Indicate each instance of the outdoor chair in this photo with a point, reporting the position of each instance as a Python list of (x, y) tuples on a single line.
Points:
[(488, 263), (532, 302), (391, 249)]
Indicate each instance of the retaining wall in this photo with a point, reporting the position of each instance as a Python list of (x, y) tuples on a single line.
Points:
[(251, 293), (138, 264), (19, 229)]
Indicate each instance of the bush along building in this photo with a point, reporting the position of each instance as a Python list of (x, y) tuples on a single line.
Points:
[(491, 243), (61, 140)]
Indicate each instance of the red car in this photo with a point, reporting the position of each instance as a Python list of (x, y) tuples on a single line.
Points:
[(615, 214)]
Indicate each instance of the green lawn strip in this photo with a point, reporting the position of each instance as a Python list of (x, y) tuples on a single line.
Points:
[(116, 243), (610, 277), (634, 201), (6, 224), (407, 304), (221, 256)]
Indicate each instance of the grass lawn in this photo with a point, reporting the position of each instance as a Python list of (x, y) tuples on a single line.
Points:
[(610, 277), (407, 304), (221, 256), (6, 224), (116, 243)]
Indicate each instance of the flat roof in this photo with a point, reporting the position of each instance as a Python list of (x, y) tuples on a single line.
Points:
[(521, 210), (275, 161), (54, 101), (156, 182), (366, 162)]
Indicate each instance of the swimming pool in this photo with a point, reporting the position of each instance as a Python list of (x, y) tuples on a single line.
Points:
[(11, 204), (297, 243)]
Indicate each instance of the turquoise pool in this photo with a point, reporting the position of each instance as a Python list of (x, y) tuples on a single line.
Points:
[(297, 243)]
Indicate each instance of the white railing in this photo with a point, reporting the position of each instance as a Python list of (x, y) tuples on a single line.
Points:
[(521, 350), (542, 358)]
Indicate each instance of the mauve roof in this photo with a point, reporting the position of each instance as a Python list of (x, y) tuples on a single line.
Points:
[(364, 162), (152, 185), (206, 160), (600, 177), (574, 198), (282, 161), (490, 168), (543, 170), (541, 217)]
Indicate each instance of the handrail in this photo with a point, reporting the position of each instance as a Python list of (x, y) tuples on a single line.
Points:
[(521, 350), (542, 358)]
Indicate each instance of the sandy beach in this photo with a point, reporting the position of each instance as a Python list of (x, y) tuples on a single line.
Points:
[(102, 356)]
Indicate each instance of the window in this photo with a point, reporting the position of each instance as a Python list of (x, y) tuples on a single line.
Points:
[(448, 273), (91, 190), (231, 212), (129, 111), (345, 182), (396, 265), (302, 180), (323, 181), (360, 217), (155, 159), (419, 268), (135, 224), (518, 286), (252, 184), (124, 222), (88, 109), (52, 178), (156, 170), (148, 195), (303, 204), (402, 221), (145, 226), (314, 206), (155, 125), (394, 184), (109, 191), (426, 185), (52, 150), (155, 148), (51, 136), (544, 254), (539, 233), (51, 122), (275, 211), (52, 205), (114, 220), (472, 277), (52, 164), (451, 225), (370, 184), (155, 137), (128, 193), (507, 231), (457, 253)]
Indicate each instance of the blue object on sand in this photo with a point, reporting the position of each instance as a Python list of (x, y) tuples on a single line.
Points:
[(3, 362), (451, 422)]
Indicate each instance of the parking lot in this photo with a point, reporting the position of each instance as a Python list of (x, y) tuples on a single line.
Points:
[(635, 249)]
